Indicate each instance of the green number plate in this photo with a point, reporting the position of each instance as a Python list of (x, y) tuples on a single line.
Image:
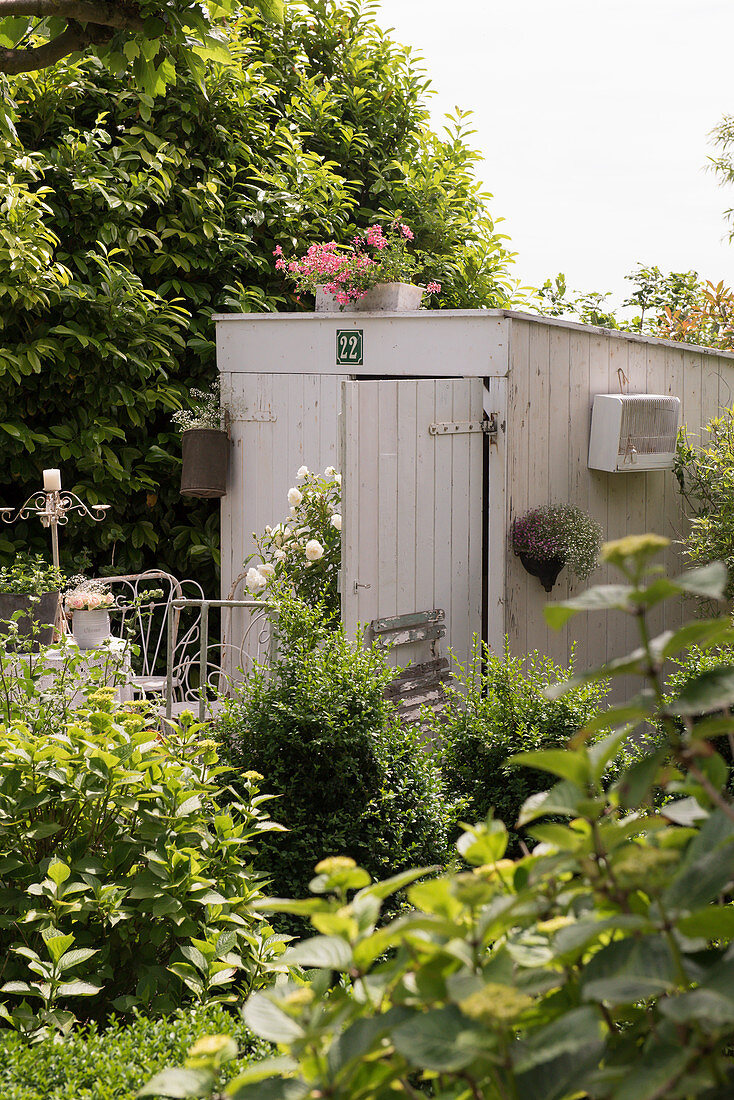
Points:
[(349, 347)]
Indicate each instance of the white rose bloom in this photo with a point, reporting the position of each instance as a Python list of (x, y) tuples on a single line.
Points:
[(329, 471), (255, 581), (303, 472), (314, 550), (268, 529), (279, 555), (266, 569), (336, 521), (338, 478), (286, 532), (295, 496), (293, 511)]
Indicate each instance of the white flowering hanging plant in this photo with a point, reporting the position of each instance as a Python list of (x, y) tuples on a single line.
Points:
[(205, 410), (303, 553)]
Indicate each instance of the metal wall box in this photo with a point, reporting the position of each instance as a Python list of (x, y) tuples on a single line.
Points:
[(633, 432)]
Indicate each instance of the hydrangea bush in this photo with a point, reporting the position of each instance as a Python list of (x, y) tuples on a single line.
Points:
[(600, 966), (125, 844), (348, 272), (303, 554)]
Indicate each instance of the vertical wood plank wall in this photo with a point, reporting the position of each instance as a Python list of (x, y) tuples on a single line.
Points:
[(413, 508), (554, 372), (278, 422)]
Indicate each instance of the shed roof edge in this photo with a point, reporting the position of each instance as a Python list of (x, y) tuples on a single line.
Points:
[(512, 314)]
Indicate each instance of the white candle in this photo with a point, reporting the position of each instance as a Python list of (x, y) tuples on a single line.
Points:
[(52, 480)]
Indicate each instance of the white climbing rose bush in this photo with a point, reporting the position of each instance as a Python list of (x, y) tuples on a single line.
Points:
[(302, 554)]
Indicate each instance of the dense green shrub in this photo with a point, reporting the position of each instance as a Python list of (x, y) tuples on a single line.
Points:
[(599, 967), (122, 879), (686, 669), (113, 1062), (348, 778), (499, 708), (705, 473), (130, 221)]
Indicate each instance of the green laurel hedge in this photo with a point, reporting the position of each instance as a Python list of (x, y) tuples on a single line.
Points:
[(130, 221)]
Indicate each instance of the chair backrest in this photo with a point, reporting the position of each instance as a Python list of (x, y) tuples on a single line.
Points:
[(237, 638), (146, 621), (249, 635)]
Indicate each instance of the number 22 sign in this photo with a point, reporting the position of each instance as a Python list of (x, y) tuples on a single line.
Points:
[(349, 347)]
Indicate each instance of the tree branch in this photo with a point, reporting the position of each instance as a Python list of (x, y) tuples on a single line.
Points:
[(73, 39), (100, 12)]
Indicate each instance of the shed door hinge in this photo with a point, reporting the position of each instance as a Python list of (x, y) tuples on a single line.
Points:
[(487, 426)]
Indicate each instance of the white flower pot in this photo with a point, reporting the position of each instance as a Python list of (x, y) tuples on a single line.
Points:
[(391, 297), (91, 628)]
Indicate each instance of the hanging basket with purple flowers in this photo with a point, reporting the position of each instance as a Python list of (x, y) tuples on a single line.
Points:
[(553, 536)]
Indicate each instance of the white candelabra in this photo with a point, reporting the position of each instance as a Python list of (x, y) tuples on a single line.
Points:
[(52, 506)]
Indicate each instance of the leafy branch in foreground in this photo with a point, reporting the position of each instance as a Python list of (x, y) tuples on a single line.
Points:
[(599, 966), (147, 35)]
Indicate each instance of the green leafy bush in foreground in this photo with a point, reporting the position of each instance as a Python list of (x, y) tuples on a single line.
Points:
[(122, 879), (112, 1063), (348, 778), (497, 709), (600, 967)]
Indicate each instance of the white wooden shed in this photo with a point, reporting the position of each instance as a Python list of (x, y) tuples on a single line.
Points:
[(401, 403)]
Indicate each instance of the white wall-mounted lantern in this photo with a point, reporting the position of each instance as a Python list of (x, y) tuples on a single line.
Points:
[(633, 432)]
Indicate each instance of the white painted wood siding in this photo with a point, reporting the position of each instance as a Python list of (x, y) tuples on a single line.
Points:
[(433, 344), (555, 370), (278, 422), (412, 507)]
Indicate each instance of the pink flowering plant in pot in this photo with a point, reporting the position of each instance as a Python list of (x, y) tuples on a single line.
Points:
[(348, 272), (88, 595), (553, 536), (89, 602)]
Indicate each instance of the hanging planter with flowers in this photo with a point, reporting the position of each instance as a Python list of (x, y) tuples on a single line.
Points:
[(553, 536), (204, 445), (374, 272)]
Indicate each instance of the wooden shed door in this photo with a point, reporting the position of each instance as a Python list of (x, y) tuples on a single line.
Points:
[(412, 507)]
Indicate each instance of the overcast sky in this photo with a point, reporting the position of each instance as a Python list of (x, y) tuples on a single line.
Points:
[(593, 119)]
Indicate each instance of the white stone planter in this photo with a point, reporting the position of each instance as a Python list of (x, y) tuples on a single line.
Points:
[(386, 297), (90, 628)]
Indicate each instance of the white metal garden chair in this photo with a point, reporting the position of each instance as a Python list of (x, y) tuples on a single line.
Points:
[(145, 622)]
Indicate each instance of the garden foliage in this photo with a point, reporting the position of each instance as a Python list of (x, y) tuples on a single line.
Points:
[(705, 473), (497, 708), (128, 221), (29, 576), (149, 38), (599, 966), (114, 1061), (675, 306), (122, 877), (347, 776)]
